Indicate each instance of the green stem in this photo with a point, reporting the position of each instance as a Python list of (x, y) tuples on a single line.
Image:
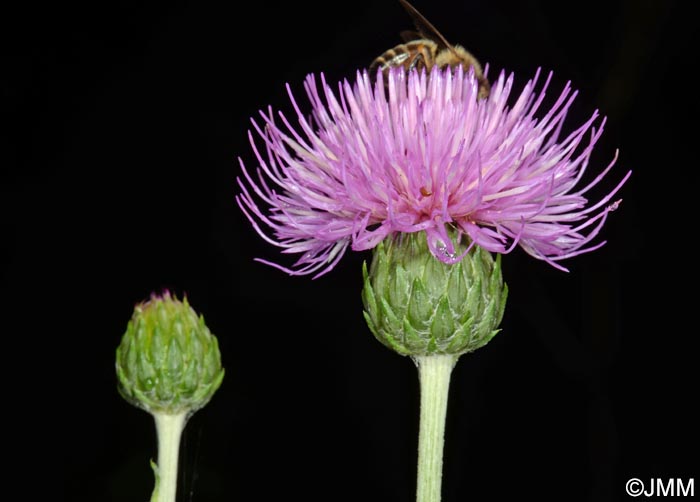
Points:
[(169, 429), (434, 374)]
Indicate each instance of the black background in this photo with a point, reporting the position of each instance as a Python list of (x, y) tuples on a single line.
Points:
[(121, 126)]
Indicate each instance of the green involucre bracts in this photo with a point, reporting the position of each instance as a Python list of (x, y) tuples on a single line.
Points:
[(417, 305), (168, 361)]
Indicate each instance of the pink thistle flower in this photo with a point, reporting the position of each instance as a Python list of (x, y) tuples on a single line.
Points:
[(423, 153)]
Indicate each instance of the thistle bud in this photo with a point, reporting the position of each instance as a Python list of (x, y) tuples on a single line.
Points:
[(168, 361), (417, 305)]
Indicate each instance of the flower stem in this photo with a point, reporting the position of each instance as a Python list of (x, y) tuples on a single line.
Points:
[(434, 374), (169, 429)]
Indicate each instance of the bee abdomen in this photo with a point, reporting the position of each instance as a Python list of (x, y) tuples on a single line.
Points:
[(414, 54)]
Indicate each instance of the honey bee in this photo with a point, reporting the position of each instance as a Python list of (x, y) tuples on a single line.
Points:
[(426, 48)]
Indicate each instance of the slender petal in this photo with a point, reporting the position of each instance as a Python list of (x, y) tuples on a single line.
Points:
[(422, 152)]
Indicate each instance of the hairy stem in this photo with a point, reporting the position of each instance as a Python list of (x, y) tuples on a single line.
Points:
[(434, 373), (169, 429)]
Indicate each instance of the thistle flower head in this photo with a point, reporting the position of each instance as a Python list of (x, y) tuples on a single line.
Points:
[(417, 305), (168, 361), (422, 152)]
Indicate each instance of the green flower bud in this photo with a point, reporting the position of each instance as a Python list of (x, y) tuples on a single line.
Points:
[(417, 305), (168, 361)]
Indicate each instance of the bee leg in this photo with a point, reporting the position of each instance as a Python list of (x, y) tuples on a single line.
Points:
[(418, 59)]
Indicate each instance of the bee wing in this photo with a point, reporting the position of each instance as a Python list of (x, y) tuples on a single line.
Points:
[(409, 35), (424, 28)]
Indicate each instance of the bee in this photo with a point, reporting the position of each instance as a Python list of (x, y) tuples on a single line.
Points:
[(426, 48)]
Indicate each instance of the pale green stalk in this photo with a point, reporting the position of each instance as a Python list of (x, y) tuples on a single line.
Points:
[(434, 373), (169, 429)]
